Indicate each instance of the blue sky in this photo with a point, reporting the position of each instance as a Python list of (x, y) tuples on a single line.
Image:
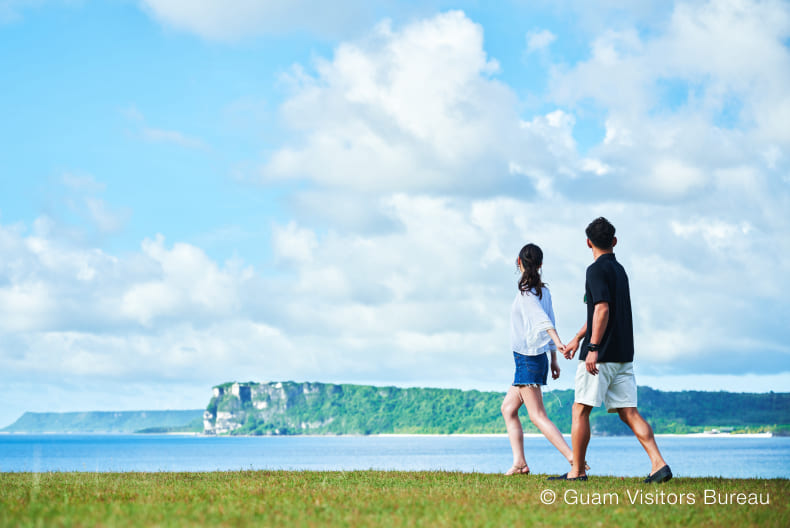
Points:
[(192, 193)]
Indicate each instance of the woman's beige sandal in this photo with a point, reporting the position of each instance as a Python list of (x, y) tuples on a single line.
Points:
[(518, 470)]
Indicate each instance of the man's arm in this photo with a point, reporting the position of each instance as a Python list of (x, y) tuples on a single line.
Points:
[(573, 344), (599, 323)]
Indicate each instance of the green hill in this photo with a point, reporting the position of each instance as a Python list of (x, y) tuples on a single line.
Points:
[(107, 422), (288, 408)]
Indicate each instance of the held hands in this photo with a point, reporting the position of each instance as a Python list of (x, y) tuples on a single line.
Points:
[(569, 350), (590, 362)]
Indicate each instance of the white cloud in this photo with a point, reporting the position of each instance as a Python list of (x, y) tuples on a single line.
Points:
[(716, 234), (51, 285), (292, 243), (539, 40), (186, 282), (595, 166), (726, 108), (408, 109), (615, 75), (674, 178), (418, 109), (25, 306), (176, 352)]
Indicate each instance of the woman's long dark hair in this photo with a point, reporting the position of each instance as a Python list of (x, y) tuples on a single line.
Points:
[(531, 258)]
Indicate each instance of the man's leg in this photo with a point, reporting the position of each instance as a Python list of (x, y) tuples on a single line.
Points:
[(644, 433), (580, 438)]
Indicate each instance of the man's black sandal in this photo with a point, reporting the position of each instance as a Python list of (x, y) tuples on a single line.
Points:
[(565, 477), (662, 475)]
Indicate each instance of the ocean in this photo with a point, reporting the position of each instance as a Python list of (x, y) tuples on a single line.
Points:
[(708, 456)]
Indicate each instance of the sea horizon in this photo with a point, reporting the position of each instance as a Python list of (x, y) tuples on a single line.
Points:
[(690, 456)]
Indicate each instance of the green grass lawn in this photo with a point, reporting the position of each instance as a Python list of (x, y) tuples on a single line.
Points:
[(380, 498)]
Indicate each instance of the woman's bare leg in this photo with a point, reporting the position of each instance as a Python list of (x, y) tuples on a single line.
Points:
[(533, 399), (510, 406)]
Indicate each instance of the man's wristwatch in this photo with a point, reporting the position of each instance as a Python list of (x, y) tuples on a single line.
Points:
[(593, 347)]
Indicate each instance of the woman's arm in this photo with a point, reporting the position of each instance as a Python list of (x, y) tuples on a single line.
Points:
[(556, 338)]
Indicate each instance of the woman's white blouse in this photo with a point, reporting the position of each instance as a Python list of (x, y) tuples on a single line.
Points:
[(530, 318)]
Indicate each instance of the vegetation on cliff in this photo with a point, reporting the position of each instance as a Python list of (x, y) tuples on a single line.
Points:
[(287, 408)]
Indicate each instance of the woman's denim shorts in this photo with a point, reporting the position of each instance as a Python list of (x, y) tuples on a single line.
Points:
[(531, 370)]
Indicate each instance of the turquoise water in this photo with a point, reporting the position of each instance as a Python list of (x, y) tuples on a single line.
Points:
[(621, 456)]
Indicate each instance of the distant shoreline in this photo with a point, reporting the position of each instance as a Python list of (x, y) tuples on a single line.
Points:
[(393, 435)]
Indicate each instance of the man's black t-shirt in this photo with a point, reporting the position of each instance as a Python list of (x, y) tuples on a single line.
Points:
[(607, 282)]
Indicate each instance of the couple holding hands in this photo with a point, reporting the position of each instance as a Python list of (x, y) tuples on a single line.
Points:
[(605, 372)]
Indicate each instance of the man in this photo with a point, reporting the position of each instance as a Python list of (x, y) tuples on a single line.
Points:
[(606, 373)]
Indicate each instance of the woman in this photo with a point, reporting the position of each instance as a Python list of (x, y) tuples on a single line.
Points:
[(532, 335)]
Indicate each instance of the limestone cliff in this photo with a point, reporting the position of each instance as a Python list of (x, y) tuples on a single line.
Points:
[(288, 408), (263, 407)]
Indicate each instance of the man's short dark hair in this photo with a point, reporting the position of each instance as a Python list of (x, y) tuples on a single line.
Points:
[(601, 233)]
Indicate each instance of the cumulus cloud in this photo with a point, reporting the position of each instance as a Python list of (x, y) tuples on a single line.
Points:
[(292, 243), (675, 178), (725, 108), (718, 235), (418, 109), (185, 283), (405, 109)]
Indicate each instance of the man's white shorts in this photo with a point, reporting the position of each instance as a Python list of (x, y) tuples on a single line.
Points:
[(614, 385)]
